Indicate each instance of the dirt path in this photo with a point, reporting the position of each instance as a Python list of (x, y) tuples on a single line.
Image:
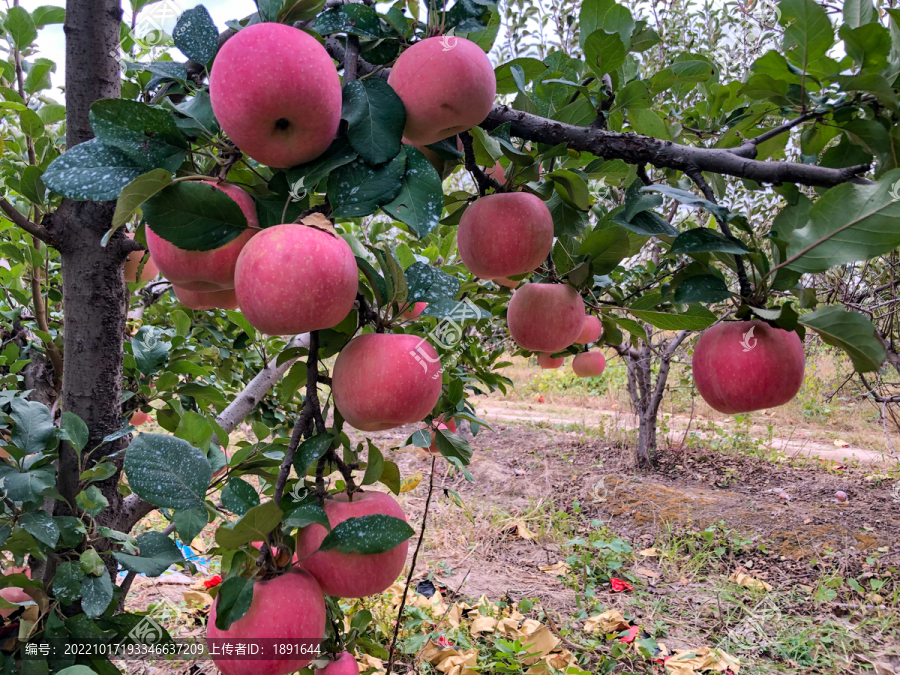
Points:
[(802, 442)]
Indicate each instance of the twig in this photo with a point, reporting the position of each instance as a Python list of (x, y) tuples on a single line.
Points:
[(446, 612), (29, 226), (351, 59), (484, 181), (412, 569)]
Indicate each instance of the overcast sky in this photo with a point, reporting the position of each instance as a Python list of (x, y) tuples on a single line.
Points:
[(51, 40)]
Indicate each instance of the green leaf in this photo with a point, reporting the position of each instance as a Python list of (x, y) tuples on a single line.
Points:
[(196, 35), (690, 199), (92, 171), (20, 27), (31, 123), (531, 69), (357, 189), (98, 472), (566, 219), (233, 601), (703, 239), (33, 428), (696, 317), (96, 594), (390, 476), (375, 465), (147, 135), (375, 119), (157, 553), (848, 223), (633, 95), (310, 451), (41, 526), (194, 429), (338, 154), (27, 486), (420, 202), (645, 223), (38, 77), (307, 514), (299, 10), (851, 332), (808, 33), (707, 288), (429, 284), (571, 187), (150, 353), (195, 216), (32, 185), (71, 531), (604, 52), (67, 582), (367, 535), (189, 523), (167, 471), (239, 496), (452, 445), (91, 501), (254, 525), (202, 118), (47, 14), (591, 17), (137, 192), (91, 563), (354, 19)]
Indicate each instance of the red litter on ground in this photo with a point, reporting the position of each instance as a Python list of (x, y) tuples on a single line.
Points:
[(214, 581), (633, 632), (618, 585)]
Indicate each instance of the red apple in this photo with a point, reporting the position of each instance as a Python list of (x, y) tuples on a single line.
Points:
[(288, 607), (546, 361), (447, 85), (589, 364), (545, 317), (133, 262), (139, 417), (509, 283), (352, 575), (382, 380), (205, 270), (451, 425), (14, 594), (592, 330), (497, 173), (225, 299), (293, 279), (504, 235), (345, 664), (277, 94), (414, 311), (740, 366)]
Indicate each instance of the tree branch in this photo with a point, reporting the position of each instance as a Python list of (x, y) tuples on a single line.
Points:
[(32, 228), (481, 178)]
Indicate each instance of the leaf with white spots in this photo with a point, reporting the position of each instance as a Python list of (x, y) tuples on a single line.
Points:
[(41, 526), (157, 553), (196, 35), (146, 134), (367, 535), (96, 594), (167, 471), (92, 171), (358, 189), (429, 284), (421, 199), (375, 119)]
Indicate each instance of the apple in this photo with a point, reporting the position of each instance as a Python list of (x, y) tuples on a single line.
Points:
[(277, 94), (509, 283), (133, 262), (14, 594), (504, 235), (139, 417), (225, 299), (546, 361), (205, 270), (450, 425), (592, 330), (288, 607), (545, 317), (352, 575), (589, 364), (497, 173), (447, 85), (741, 366), (344, 664), (413, 311), (383, 380), (294, 279)]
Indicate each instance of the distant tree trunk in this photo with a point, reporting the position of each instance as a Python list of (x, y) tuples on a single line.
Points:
[(646, 396)]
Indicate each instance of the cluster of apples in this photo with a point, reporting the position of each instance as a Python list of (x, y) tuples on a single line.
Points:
[(509, 234), (292, 606)]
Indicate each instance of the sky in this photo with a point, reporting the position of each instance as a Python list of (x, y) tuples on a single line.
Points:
[(51, 40)]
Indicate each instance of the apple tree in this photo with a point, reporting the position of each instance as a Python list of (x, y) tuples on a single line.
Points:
[(293, 166)]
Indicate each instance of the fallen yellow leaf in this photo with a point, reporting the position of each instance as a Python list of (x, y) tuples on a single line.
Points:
[(410, 483), (320, 222), (560, 568), (522, 531), (644, 572), (611, 621), (747, 581), (483, 624), (704, 659), (841, 443), (650, 552), (197, 598)]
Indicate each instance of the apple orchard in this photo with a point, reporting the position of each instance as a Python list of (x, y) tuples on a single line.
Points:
[(340, 215)]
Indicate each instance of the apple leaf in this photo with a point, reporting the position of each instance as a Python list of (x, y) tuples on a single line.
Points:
[(239, 496), (252, 526), (147, 135), (33, 428), (310, 451), (167, 471), (367, 535), (196, 35), (421, 198), (157, 553), (701, 288), (67, 582), (96, 594), (190, 522), (91, 170), (850, 331), (452, 445), (429, 284), (233, 601), (358, 189), (194, 216), (375, 119), (354, 19), (307, 514), (137, 192), (703, 239)]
